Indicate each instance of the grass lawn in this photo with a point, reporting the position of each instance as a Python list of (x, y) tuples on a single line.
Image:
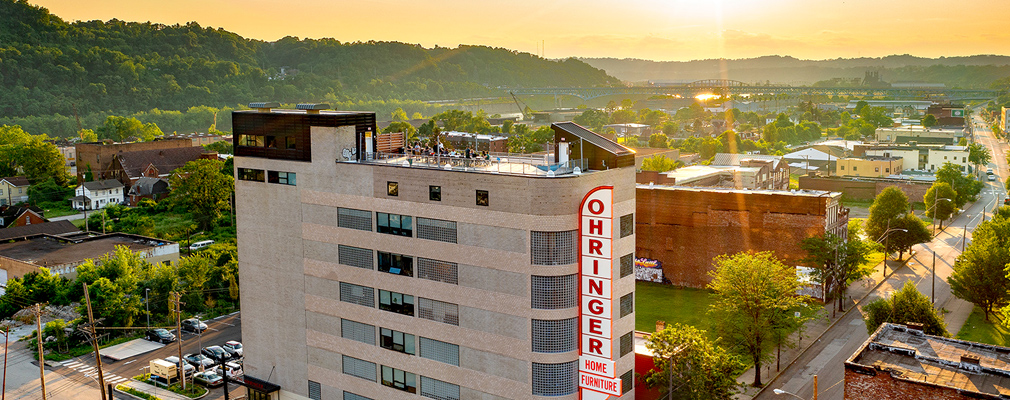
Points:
[(976, 329), (672, 304), (60, 212)]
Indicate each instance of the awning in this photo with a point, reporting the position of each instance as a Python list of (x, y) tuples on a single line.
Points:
[(258, 385)]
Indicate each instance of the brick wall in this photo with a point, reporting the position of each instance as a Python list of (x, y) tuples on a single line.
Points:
[(686, 229), (99, 156), (865, 189), (862, 383)]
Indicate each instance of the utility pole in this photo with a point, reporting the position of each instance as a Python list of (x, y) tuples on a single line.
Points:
[(815, 387), (38, 331), (178, 329), (3, 390), (94, 340)]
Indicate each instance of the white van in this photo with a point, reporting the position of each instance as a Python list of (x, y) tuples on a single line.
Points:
[(201, 244)]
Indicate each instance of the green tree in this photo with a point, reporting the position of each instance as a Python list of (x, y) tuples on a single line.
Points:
[(399, 115), (48, 191), (203, 189), (120, 129), (622, 116), (890, 205), (221, 147), (967, 188), (689, 366), (87, 135), (909, 231), (30, 155), (980, 275), (937, 208), (751, 288), (929, 121), (592, 119), (979, 154), (903, 306), (660, 163), (410, 133), (837, 262), (658, 140)]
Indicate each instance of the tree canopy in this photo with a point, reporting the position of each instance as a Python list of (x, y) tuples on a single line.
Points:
[(904, 306), (980, 275), (22, 153), (689, 366), (203, 188)]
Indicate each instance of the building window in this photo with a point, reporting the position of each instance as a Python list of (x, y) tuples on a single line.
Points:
[(315, 392), (396, 302), (853, 167), (352, 396), (354, 256), (627, 343), (876, 169), (436, 229), (395, 224), (392, 188), (396, 264), (555, 379), (283, 178), (399, 379), (627, 304), (554, 292), (354, 330), (482, 198), (435, 193), (439, 351), (248, 174), (439, 271), (438, 311), (354, 219), (290, 143), (553, 248), (436, 389), (359, 368), (627, 265), (357, 294), (627, 381), (887, 170), (555, 336), (628, 225), (841, 167), (396, 341), (250, 140)]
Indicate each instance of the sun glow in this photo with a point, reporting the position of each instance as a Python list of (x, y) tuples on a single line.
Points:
[(706, 97)]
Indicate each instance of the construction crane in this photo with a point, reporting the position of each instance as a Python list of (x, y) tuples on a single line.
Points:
[(522, 109)]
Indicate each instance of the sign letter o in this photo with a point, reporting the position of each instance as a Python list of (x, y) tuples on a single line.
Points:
[(595, 206)]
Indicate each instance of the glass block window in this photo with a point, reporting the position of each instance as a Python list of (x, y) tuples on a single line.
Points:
[(628, 225), (435, 270), (439, 311), (627, 265), (439, 351), (553, 248), (397, 264), (627, 343), (315, 391), (396, 341), (359, 368), (436, 229), (555, 379), (627, 381), (627, 304), (554, 292), (354, 256), (399, 379), (396, 302), (249, 174), (395, 224), (354, 219), (354, 330), (555, 336), (436, 389), (352, 396), (357, 294)]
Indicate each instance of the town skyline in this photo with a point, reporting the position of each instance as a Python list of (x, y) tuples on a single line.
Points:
[(643, 29)]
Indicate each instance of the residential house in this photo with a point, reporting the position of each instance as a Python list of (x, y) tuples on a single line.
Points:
[(57, 228), (98, 194), (9, 215), (875, 166), (775, 177), (13, 190), (147, 188), (28, 216), (128, 167)]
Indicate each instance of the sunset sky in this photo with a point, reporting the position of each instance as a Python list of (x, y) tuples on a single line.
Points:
[(646, 29)]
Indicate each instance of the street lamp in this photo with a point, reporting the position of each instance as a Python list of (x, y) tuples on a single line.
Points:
[(780, 391), (935, 201), (884, 236)]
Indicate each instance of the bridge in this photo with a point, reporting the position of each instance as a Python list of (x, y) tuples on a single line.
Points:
[(731, 87)]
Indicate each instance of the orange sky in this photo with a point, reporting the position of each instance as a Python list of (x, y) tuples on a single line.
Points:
[(647, 29)]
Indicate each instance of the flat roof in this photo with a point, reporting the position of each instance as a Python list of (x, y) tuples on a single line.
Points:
[(913, 356), (48, 250), (804, 193)]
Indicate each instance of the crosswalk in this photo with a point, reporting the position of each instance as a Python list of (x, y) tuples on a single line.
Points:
[(92, 372)]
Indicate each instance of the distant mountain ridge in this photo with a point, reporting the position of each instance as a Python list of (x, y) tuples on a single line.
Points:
[(791, 70)]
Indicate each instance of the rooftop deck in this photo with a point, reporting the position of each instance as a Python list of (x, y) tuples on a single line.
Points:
[(537, 165)]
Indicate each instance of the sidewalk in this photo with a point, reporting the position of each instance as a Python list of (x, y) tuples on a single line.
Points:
[(857, 293)]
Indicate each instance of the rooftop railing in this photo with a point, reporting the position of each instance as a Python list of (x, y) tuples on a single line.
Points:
[(495, 163)]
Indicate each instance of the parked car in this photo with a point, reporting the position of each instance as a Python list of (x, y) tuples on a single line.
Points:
[(160, 335), (193, 325), (216, 353), (208, 379), (233, 347), (234, 370), (188, 368), (198, 360)]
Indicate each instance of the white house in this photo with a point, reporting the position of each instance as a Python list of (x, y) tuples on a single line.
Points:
[(958, 155), (95, 195)]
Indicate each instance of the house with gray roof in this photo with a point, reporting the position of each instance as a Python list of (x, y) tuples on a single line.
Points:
[(98, 194)]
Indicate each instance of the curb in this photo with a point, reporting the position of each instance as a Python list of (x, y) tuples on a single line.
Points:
[(832, 325)]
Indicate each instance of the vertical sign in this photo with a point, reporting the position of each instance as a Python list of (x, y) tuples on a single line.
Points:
[(597, 375)]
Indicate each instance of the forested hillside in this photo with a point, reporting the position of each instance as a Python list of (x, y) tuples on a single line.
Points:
[(49, 66)]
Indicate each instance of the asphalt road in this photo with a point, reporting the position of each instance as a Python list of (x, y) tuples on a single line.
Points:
[(827, 356), (79, 376)]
